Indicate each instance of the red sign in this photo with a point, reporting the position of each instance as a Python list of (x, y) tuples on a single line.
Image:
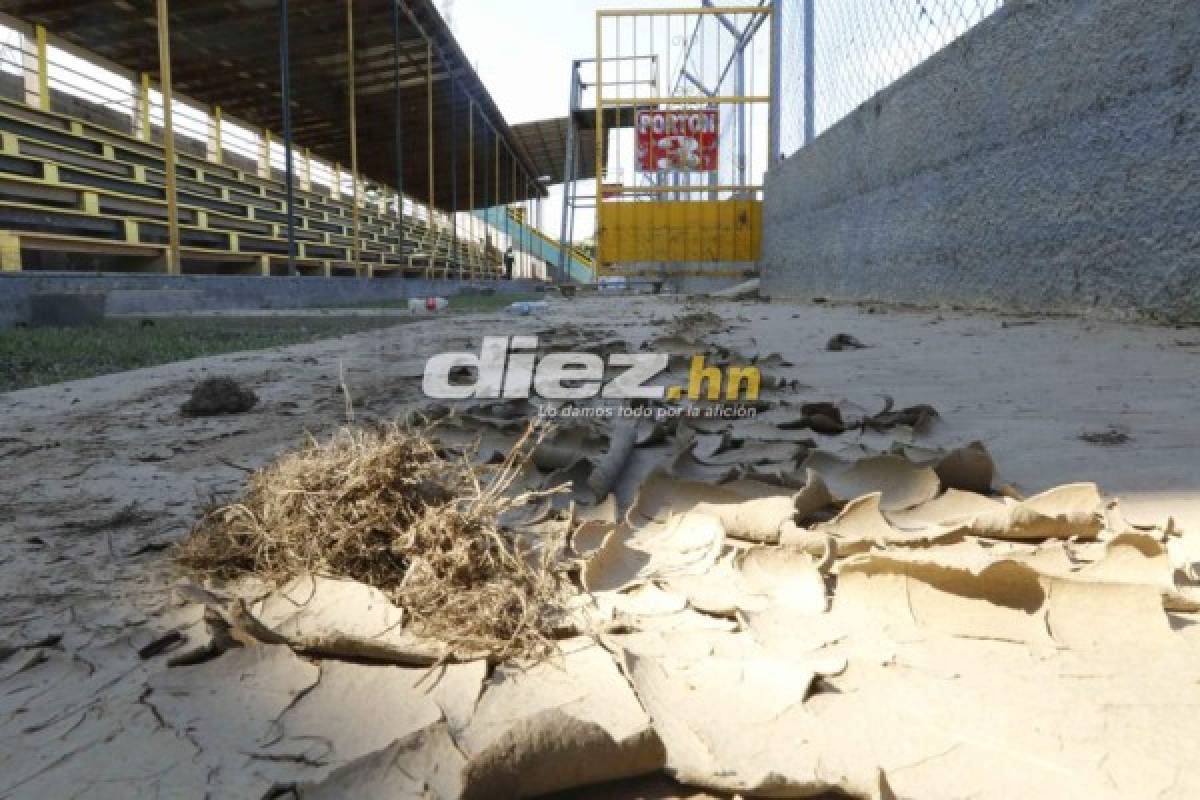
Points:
[(678, 141)]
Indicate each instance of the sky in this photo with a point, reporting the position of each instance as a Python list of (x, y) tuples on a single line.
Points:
[(523, 49)]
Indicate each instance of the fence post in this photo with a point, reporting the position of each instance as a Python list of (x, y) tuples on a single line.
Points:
[(352, 113), (774, 115), (810, 77)]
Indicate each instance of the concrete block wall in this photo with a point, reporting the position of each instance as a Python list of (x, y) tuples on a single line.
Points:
[(148, 294), (1048, 160)]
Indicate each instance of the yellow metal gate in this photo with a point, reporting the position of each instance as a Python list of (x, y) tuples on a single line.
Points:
[(668, 83)]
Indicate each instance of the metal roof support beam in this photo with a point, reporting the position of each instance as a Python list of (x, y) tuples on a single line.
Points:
[(213, 144), (600, 154), (490, 171), (398, 101), (174, 263), (429, 144), (575, 200), (454, 181), (694, 81), (43, 69), (514, 186), (264, 154), (356, 220), (528, 231), (566, 227), (471, 175), (143, 108), (487, 188), (285, 83)]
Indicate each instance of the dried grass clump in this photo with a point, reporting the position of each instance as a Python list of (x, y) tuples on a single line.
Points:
[(384, 507)]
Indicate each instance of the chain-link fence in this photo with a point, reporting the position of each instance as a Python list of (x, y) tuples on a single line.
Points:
[(718, 63), (858, 48), (729, 55)]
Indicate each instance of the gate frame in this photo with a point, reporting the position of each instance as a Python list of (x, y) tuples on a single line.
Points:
[(769, 11)]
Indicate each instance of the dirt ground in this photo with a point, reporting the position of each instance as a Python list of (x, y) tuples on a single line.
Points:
[(99, 477)]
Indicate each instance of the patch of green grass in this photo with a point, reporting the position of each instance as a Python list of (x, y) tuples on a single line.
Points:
[(40, 356), (465, 303), (492, 302)]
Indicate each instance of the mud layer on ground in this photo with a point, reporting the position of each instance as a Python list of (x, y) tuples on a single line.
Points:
[(986, 637)]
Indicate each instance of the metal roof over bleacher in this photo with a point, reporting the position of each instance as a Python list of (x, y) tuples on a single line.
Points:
[(546, 143)]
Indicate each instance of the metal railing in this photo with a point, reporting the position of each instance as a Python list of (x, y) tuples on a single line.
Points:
[(52, 76)]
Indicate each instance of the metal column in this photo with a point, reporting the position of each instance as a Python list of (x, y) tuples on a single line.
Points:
[(454, 177), (575, 202), (564, 244), (398, 102), (508, 217), (529, 218), (526, 231), (471, 181), (573, 208), (496, 208), (43, 68), (740, 89), (174, 261), (285, 91), (351, 92), (214, 143), (774, 110), (564, 241), (487, 200), (810, 71), (429, 143), (600, 154), (147, 134), (264, 155)]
